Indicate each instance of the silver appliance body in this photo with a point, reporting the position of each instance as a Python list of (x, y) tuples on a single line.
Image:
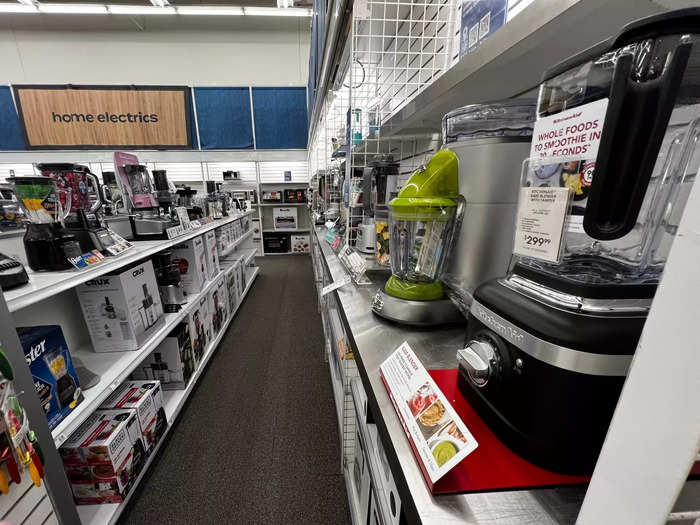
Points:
[(366, 238), (489, 180), (441, 311), (121, 225)]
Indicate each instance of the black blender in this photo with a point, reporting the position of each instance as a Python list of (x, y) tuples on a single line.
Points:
[(614, 153), (48, 244), (84, 219), (185, 198)]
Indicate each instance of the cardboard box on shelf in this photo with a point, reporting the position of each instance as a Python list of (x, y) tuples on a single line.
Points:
[(172, 362), (285, 218), (300, 243), (190, 256), (51, 366), (199, 328), (231, 288), (212, 255), (104, 456), (147, 399), (122, 309), (218, 306)]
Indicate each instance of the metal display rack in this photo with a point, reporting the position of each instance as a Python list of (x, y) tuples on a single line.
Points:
[(49, 298), (397, 73)]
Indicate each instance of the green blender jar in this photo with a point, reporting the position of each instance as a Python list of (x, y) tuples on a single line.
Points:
[(423, 220)]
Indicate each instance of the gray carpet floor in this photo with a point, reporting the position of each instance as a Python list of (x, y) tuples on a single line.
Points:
[(258, 440)]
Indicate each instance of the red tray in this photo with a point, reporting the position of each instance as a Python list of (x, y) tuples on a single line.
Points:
[(492, 466)]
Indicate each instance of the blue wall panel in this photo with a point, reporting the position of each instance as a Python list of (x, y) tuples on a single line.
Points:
[(10, 130), (280, 117), (223, 115)]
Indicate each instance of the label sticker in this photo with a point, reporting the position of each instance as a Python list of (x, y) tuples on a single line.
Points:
[(574, 224), (87, 259), (573, 134), (540, 222), (334, 286)]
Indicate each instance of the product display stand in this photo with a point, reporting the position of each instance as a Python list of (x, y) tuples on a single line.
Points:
[(49, 298)]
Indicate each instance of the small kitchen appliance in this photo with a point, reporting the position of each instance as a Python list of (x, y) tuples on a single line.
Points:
[(380, 183), (172, 294), (613, 157), (491, 141), (48, 244), (366, 236), (116, 215), (422, 222), (186, 199)]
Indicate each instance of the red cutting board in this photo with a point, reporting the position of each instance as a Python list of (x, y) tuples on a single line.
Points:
[(492, 466)]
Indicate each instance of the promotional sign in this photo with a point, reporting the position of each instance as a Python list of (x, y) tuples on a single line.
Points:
[(95, 117), (438, 437)]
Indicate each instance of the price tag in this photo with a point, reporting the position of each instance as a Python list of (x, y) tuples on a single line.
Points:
[(184, 217), (540, 222), (175, 231), (87, 259), (334, 286)]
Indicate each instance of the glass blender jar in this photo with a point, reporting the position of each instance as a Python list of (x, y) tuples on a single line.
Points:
[(422, 222), (47, 243)]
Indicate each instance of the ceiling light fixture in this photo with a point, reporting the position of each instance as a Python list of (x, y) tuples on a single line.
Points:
[(274, 11), (160, 3), (140, 10), (18, 8), (79, 9), (209, 10), (284, 4)]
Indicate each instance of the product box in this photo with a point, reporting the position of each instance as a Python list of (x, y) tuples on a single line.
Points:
[(300, 243), (198, 318), (190, 257), (103, 457), (285, 218), (172, 362), (212, 255), (231, 288), (147, 399), (218, 305), (122, 310), (49, 361)]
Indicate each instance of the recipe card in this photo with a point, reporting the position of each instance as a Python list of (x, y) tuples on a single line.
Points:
[(439, 438)]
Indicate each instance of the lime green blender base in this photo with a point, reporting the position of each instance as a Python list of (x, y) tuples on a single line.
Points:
[(414, 291)]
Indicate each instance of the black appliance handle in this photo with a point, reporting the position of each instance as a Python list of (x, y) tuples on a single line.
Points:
[(635, 124), (98, 191), (367, 190)]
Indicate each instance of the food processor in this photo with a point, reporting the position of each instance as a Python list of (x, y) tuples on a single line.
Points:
[(84, 218), (614, 155), (139, 190), (491, 141), (422, 222), (48, 245)]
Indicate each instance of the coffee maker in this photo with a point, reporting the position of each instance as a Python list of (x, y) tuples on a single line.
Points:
[(614, 154), (84, 219), (491, 141)]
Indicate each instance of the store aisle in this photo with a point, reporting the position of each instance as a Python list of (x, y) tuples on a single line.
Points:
[(258, 442)]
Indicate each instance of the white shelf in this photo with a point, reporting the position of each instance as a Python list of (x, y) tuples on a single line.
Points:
[(249, 254), (173, 400), (285, 183), (355, 512), (268, 230), (282, 205), (42, 285), (115, 367), (235, 243)]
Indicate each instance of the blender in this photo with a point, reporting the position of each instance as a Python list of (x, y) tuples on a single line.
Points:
[(83, 219), (615, 146), (185, 198), (380, 181), (213, 201), (491, 141), (116, 216), (48, 245), (422, 222), (145, 216)]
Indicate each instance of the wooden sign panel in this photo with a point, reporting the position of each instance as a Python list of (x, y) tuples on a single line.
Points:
[(104, 117)]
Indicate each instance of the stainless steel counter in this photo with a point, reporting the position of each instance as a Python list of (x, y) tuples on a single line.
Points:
[(374, 339)]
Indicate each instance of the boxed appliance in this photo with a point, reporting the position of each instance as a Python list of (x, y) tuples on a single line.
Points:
[(360, 476), (190, 256), (300, 243), (122, 309), (217, 306), (146, 398), (386, 480), (172, 362), (49, 361), (285, 218), (272, 196), (199, 330), (212, 255), (103, 457), (232, 287), (276, 242), (294, 196)]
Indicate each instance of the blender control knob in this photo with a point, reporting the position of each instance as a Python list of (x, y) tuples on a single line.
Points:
[(481, 361)]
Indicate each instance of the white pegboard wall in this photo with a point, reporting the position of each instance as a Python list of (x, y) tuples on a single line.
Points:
[(215, 170), (273, 172)]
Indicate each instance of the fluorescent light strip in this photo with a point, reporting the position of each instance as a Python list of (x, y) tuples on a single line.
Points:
[(6, 7), (73, 8), (140, 10), (276, 11), (209, 10), (17, 8)]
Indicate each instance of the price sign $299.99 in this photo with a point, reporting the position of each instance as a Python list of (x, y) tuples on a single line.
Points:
[(540, 222)]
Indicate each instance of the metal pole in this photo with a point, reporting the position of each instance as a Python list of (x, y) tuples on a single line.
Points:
[(54, 476)]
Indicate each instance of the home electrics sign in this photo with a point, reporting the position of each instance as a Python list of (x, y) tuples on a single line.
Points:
[(94, 117)]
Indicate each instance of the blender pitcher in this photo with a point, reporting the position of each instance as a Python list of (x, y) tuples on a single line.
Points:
[(47, 243)]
